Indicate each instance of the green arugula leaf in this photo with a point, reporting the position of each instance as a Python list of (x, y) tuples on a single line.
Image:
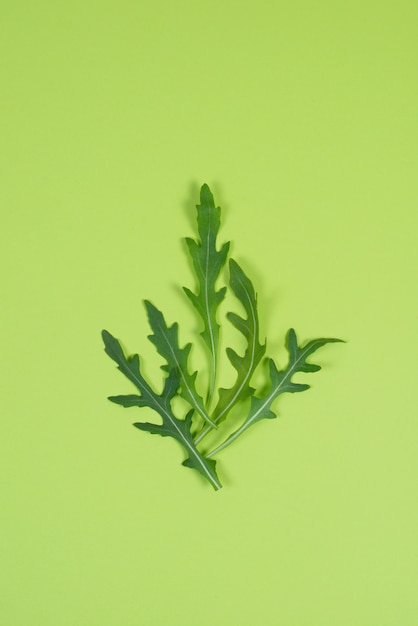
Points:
[(171, 426), (207, 263), (280, 383), (245, 365), (166, 341)]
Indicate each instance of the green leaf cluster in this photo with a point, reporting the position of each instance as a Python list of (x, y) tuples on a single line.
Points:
[(210, 414)]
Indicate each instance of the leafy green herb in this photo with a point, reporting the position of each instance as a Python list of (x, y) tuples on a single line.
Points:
[(200, 419), (280, 383), (207, 263), (166, 341), (246, 364), (171, 426)]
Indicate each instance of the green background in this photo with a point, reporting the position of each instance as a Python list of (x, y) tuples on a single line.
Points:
[(302, 117)]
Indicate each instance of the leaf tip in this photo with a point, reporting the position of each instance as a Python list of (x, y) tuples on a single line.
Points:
[(105, 335), (205, 190)]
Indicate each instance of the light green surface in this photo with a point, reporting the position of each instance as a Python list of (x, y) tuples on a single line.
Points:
[(302, 116)]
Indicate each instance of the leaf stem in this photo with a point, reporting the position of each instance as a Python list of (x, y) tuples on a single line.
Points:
[(228, 441), (203, 434)]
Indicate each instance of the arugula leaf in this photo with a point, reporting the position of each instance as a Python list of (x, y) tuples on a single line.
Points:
[(280, 383), (171, 426), (207, 263), (248, 362), (166, 341)]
